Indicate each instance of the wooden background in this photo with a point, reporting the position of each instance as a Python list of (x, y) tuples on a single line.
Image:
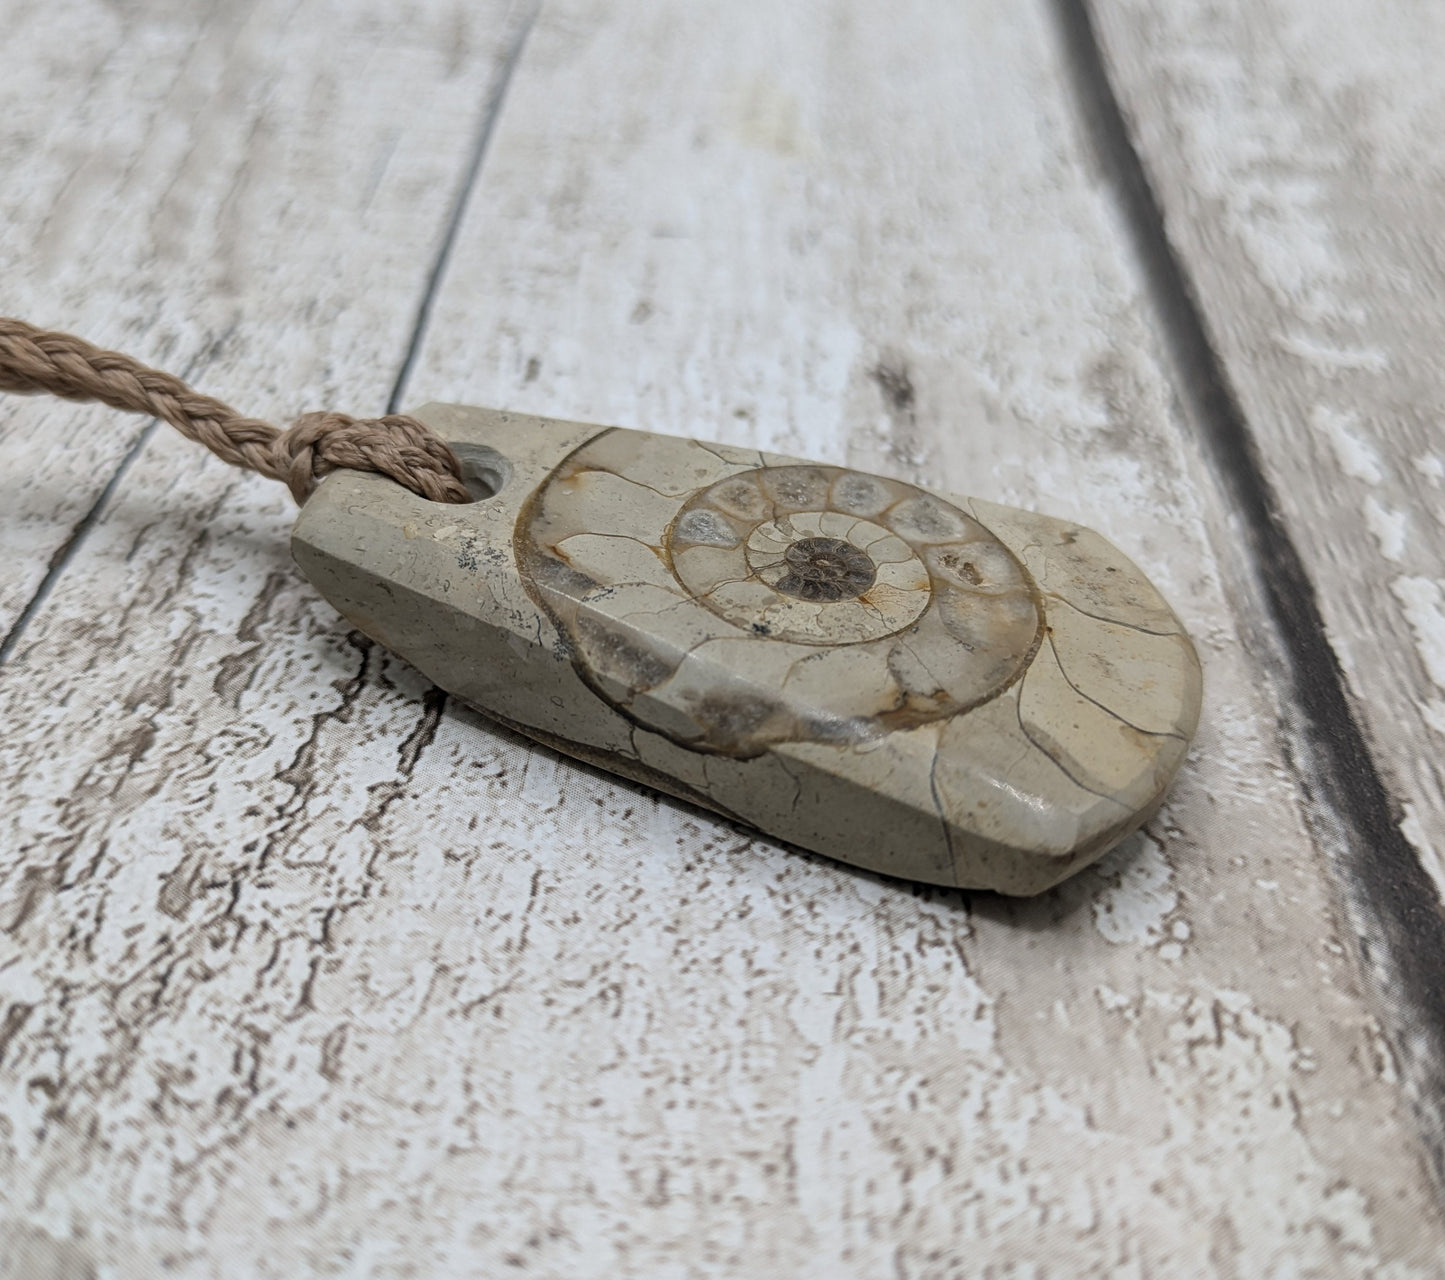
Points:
[(305, 970)]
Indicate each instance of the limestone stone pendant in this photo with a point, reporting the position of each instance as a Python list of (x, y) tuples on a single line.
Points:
[(924, 685)]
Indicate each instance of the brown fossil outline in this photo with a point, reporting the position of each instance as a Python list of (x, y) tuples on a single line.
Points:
[(662, 563)]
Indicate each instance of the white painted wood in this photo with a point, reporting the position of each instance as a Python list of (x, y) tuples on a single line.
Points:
[(246, 192), (1295, 147), (304, 973)]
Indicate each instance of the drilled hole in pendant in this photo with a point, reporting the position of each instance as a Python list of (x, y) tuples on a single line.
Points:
[(485, 472)]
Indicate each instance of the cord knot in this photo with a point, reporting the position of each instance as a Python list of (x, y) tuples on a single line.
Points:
[(395, 445), (38, 360)]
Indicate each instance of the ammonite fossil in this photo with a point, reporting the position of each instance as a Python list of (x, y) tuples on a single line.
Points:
[(919, 684), (782, 602)]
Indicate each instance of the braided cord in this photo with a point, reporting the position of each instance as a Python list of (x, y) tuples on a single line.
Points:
[(34, 361)]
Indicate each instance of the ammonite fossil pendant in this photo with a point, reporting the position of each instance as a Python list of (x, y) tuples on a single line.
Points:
[(924, 685)]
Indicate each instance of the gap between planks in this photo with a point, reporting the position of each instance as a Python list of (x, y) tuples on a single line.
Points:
[(491, 109), (471, 172), (1389, 896), (67, 549)]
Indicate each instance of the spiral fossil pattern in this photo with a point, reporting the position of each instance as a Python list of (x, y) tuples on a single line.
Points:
[(730, 601)]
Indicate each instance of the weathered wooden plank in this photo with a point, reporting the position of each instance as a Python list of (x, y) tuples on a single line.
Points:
[(306, 972), (1295, 152), (248, 192), (1291, 151)]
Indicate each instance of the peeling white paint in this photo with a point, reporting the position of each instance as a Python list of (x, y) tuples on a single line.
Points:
[(1424, 605), (1135, 903), (1330, 356), (1430, 466), (1354, 452), (1388, 527)]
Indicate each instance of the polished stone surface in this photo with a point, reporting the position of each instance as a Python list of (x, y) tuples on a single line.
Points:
[(924, 685)]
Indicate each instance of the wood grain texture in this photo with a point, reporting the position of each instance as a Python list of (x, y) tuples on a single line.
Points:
[(1295, 151), (1309, 244), (305, 972), (249, 194)]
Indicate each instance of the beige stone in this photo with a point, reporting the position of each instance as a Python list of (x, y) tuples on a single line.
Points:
[(923, 685)]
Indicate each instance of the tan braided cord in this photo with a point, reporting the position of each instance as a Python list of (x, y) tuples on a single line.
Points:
[(35, 361)]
